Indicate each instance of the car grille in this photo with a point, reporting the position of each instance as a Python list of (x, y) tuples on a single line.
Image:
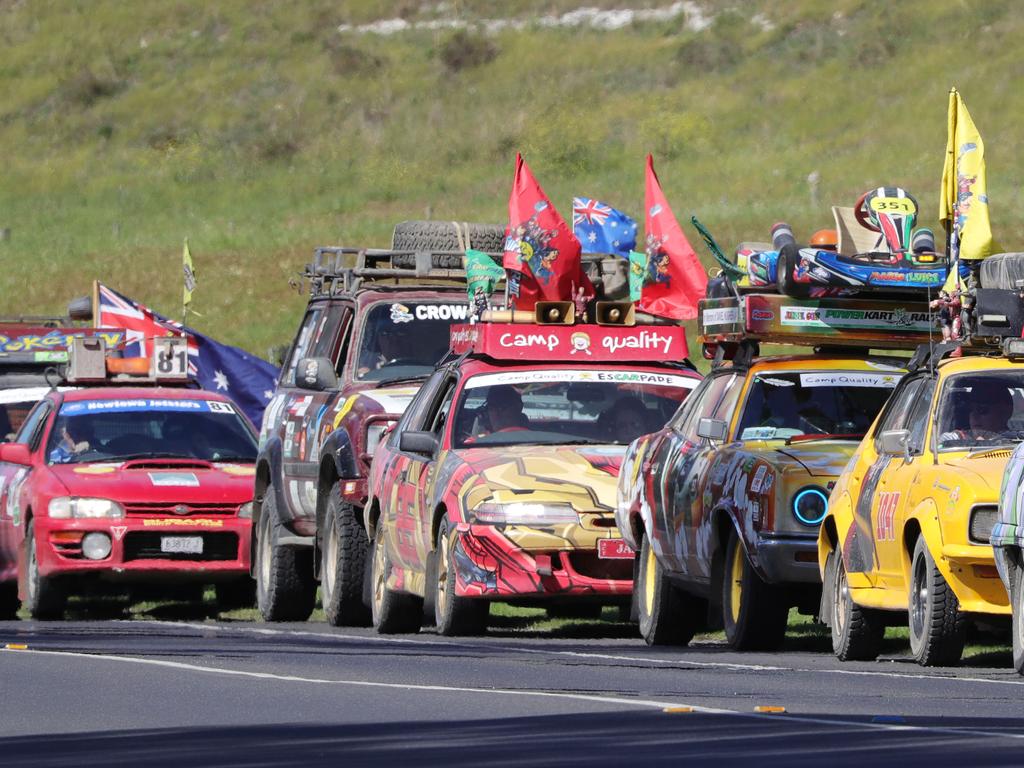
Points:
[(593, 567), (163, 508), (146, 546), (983, 519)]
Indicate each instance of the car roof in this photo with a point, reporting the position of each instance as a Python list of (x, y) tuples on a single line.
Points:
[(473, 365), (977, 363), (826, 362), (142, 393)]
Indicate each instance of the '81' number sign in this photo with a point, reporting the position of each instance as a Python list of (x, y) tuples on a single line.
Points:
[(170, 358)]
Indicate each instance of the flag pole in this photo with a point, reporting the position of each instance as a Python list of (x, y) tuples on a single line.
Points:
[(95, 303)]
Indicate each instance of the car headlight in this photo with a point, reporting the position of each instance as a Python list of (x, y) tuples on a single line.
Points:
[(71, 507), (245, 510), (524, 513), (810, 505)]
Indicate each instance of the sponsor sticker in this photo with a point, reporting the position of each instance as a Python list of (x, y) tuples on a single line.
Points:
[(758, 433), (181, 522), (176, 479), (848, 379), (720, 316), (884, 319), (610, 377), (756, 483), (80, 407)]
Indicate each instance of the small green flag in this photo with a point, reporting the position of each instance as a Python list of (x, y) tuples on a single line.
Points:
[(190, 275), (482, 274), (637, 268)]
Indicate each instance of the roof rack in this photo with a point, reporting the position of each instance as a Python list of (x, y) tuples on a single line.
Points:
[(336, 269)]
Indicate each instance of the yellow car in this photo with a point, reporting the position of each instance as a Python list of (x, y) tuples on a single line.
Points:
[(910, 517)]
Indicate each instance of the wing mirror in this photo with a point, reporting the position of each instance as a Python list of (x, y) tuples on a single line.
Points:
[(15, 453), (895, 442), (316, 373), (712, 429), (425, 443)]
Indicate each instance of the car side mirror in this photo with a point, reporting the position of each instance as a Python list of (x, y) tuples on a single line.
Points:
[(712, 429), (316, 373), (425, 443), (15, 453), (895, 442)]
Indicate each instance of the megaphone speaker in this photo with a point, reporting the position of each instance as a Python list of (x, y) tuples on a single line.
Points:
[(615, 313), (555, 313)]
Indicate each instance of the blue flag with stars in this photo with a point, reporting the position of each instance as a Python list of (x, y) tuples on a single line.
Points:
[(601, 228)]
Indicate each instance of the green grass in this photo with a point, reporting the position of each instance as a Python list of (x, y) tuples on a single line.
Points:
[(259, 131)]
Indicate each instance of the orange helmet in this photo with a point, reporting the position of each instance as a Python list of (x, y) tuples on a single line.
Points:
[(825, 239)]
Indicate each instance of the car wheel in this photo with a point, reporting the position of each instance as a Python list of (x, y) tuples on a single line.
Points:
[(454, 615), (44, 596), (238, 593), (857, 632), (667, 615), (393, 612), (1017, 596), (753, 613), (344, 564), (937, 626), (9, 602), (789, 257), (285, 589)]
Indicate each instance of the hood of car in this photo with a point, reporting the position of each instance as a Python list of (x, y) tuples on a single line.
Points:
[(983, 469), (584, 476), (820, 458), (146, 481)]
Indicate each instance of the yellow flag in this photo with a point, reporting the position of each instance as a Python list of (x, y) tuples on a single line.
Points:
[(190, 275), (963, 204)]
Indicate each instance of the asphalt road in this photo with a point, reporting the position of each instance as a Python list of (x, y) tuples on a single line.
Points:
[(193, 693)]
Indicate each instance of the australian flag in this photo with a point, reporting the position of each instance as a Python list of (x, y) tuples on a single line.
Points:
[(245, 378), (602, 229)]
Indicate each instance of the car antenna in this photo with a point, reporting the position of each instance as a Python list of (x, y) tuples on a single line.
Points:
[(931, 327)]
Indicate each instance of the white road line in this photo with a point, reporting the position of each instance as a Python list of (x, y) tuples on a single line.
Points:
[(681, 661), (643, 703), (179, 665)]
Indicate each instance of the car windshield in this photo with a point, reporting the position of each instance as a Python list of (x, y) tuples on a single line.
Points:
[(565, 407), (405, 339), (981, 410), (786, 404), (117, 430)]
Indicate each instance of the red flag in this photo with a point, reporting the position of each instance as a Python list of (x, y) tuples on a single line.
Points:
[(540, 246), (674, 280)]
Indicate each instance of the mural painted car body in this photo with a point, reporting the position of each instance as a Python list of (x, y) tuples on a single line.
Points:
[(520, 513), (723, 504), (160, 490), (908, 529)]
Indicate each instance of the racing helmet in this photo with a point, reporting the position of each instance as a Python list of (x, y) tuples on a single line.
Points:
[(825, 240)]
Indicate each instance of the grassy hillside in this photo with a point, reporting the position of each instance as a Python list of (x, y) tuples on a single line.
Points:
[(259, 130)]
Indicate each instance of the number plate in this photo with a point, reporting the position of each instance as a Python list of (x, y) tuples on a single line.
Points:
[(192, 545), (614, 549)]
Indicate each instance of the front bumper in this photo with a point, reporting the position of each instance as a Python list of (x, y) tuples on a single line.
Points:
[(136, 546), (488, 564), (975, 578), (781, 559)]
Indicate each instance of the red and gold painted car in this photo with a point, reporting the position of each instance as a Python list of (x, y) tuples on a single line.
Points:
[(498, 483), (125, 484)]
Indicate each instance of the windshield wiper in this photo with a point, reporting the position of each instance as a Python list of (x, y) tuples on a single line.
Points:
[(401, 379), (825, 436)]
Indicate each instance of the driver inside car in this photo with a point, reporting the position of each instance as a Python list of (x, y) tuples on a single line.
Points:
[(389, 348), (989, 408), (74, 440)]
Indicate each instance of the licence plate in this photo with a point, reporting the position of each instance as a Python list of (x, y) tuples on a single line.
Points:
[(192, 545), (614, 549)]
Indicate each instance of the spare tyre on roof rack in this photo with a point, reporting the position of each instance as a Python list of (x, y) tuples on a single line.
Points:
[(452, 236)]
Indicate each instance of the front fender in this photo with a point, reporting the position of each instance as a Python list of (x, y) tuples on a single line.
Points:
[(338, 445), (838, 522), (926, 516), (270, 456)]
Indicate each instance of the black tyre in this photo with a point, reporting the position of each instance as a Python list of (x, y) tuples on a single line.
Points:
[(445, 236), (285, 588), (666, 614), (754, 615), (344, 564), (938, 629), (1017, 598), (789, 257), (9, 602), (393, 612), (454, 615), (857, 632), (239, 593), (45, 598)]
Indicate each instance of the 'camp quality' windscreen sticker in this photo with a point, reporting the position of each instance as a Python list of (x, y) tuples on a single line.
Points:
[(81, 407), (848, 379), (600, 377)]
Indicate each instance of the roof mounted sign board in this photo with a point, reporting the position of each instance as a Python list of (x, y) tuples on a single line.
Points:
[(572, 343), (782, 319), (29, 344)]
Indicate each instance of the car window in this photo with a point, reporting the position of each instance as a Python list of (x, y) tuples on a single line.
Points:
[(307, 332), (419, 409), (784, 404), (918, 421), (981, 410), (31, 428), (440, 417), (706, 408), (693, 401)]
